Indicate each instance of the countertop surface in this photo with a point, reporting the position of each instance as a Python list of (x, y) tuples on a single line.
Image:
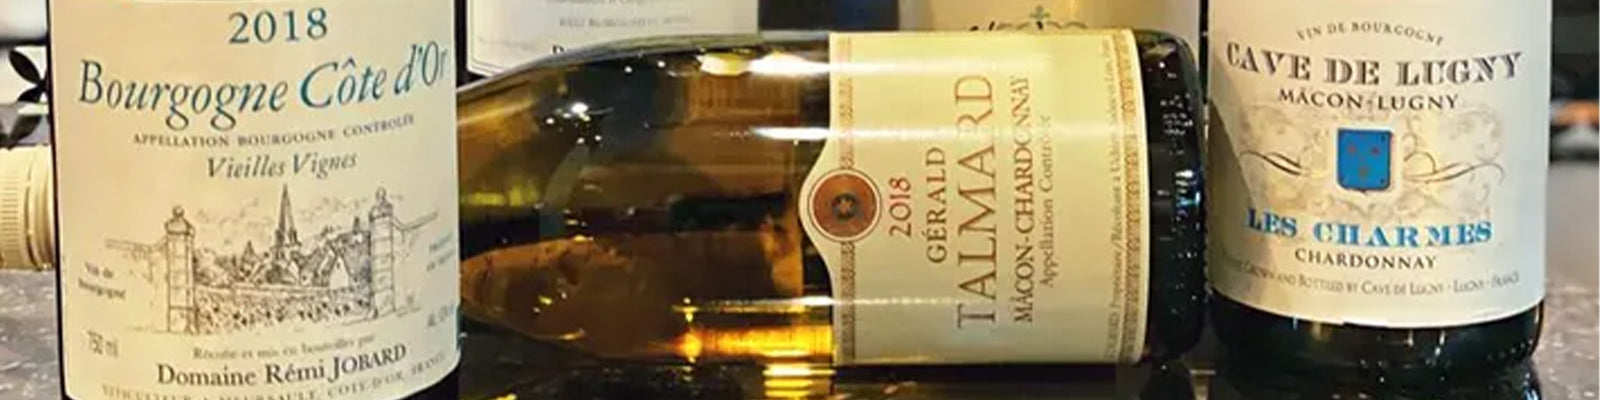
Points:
[(1565, 367)]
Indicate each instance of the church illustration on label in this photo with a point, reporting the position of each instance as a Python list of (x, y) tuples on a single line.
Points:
[(345, 274)]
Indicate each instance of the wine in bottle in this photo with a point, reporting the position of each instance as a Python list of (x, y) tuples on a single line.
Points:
[(256, 199), (1378, 183), (846, 199)]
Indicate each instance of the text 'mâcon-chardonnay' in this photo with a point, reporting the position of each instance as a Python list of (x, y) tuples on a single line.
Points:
[(853, 198), (1378, 184), (259, 202)]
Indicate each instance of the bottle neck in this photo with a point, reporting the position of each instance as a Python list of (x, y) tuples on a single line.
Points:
[(27, 225)]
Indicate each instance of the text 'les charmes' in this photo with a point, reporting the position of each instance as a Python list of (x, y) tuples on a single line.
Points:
[(326, 85), (1465, 70), (1357, 235)]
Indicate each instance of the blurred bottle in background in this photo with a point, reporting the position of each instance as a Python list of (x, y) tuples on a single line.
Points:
[(22, 21), (1181, 18), (26, 211), (501, 34), (27, 230)]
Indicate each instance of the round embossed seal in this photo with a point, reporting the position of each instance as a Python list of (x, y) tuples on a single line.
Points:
[(844, 205)]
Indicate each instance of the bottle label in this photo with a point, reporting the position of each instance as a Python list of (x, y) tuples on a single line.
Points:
[(506, 33), (998, 213), (1368, 153), (1177, 17), (260, 203)]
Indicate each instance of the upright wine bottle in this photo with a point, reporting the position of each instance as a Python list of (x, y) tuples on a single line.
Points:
[(854, 199), (503, 34), (1378, 183), (256, 199), (1181, 18), (26, 213)]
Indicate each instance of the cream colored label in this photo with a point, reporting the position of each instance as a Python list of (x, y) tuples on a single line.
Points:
[(257, 198), (506, 33), (983, 198), (1177, 17), (1379, 162)]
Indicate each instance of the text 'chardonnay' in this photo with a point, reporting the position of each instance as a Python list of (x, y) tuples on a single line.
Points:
[(1378, 184)]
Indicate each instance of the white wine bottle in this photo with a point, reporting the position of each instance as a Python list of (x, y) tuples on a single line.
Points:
[(846, 199), (256, 199), (503, 34), (1378, 185)]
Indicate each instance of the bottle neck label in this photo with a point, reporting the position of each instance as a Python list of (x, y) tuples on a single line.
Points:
[(1367, 154), (257, 198), (505, 33), (980, 212)]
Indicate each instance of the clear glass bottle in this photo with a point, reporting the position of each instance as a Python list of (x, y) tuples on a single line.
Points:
[(643, 199)]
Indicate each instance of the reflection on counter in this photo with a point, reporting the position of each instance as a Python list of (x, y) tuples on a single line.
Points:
[(812, 381), (1247, 382), (511, 366)]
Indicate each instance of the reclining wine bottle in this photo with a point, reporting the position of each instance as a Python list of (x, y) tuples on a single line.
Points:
[(846, 198)]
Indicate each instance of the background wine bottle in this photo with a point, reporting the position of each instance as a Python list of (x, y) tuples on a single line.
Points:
[(1378, 173), (27, 233), (23, 21), (261, 206), (1181, 18), (1184, 19), (643, 199), (502, 34)]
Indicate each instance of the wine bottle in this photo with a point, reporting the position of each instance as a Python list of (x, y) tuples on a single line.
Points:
[(846, 199), (1378, 175), (23, 21), (262, 205), (1178, 17), (503, 34), (27, 225), (1182, 18)]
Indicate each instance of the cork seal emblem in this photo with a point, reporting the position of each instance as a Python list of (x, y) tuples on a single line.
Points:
[(844, 205)]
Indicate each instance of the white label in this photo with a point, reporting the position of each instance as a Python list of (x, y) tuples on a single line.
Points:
[(1177, 17), (507, 33), (1002, 213), (260, 202), (1375, 153)]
